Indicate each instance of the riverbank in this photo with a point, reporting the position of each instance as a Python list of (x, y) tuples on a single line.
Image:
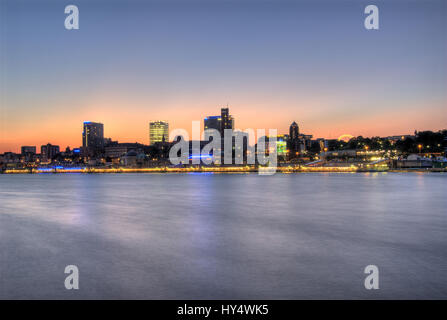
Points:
[(235, 169)]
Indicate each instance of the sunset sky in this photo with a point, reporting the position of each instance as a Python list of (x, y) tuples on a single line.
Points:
[(273, 62)]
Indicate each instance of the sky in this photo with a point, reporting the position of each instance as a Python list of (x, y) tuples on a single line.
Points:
[(272, 61)]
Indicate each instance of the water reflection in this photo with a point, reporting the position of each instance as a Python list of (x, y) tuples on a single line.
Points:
[(224, 236)]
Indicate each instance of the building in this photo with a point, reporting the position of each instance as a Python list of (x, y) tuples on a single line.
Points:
[(212, 122), (117, 150), (394, 139), (281, 146), (48, 151), (294, 131), (158, 132), (133, 159), (195, 152), (323, 144), (10, 160), (294, 142), (219, 123), (305, 141), (92, 138), (28, 149), (240, 143), (298, 142), (227, 120), (28, 153), (413, 161)]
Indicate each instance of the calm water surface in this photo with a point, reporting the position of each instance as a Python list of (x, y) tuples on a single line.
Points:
[(229, 236)]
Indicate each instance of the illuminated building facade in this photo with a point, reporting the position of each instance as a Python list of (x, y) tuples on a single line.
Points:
[(92, 138), (281, 145), (294, 142), (158, 132)]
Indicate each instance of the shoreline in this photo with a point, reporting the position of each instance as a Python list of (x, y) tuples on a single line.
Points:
[(266, 171)]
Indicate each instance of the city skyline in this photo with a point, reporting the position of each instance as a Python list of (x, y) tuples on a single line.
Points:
[(54, 140), (184, 60), (225, 159)]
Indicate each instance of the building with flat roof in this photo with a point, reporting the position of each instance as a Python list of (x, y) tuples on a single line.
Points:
[(117, 150), (48, 151), (28, 149), (158, 132), (92, 138)]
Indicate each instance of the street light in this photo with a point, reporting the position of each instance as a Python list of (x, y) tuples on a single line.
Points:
[(420, 148)]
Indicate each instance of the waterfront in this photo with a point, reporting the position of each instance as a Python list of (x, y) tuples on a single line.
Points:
[(234, 236)]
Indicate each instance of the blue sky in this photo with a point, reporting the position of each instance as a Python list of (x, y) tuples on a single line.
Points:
[(273, 62)]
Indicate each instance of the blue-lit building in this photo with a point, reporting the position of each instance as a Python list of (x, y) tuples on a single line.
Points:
[(219, 123)]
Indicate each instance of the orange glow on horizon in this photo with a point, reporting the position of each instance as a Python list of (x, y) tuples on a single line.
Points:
[(64, 128)]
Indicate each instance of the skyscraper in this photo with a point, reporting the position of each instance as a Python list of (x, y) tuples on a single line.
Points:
[(294, 140), (92, 138), (158, 132), (227, 120), (294, 131)]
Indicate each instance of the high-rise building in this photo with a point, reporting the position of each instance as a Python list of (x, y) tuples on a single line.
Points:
[(219, 123), (294, 143), (48, 151), (294, 131), (158, 132), (227, 120), (92, 137)]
